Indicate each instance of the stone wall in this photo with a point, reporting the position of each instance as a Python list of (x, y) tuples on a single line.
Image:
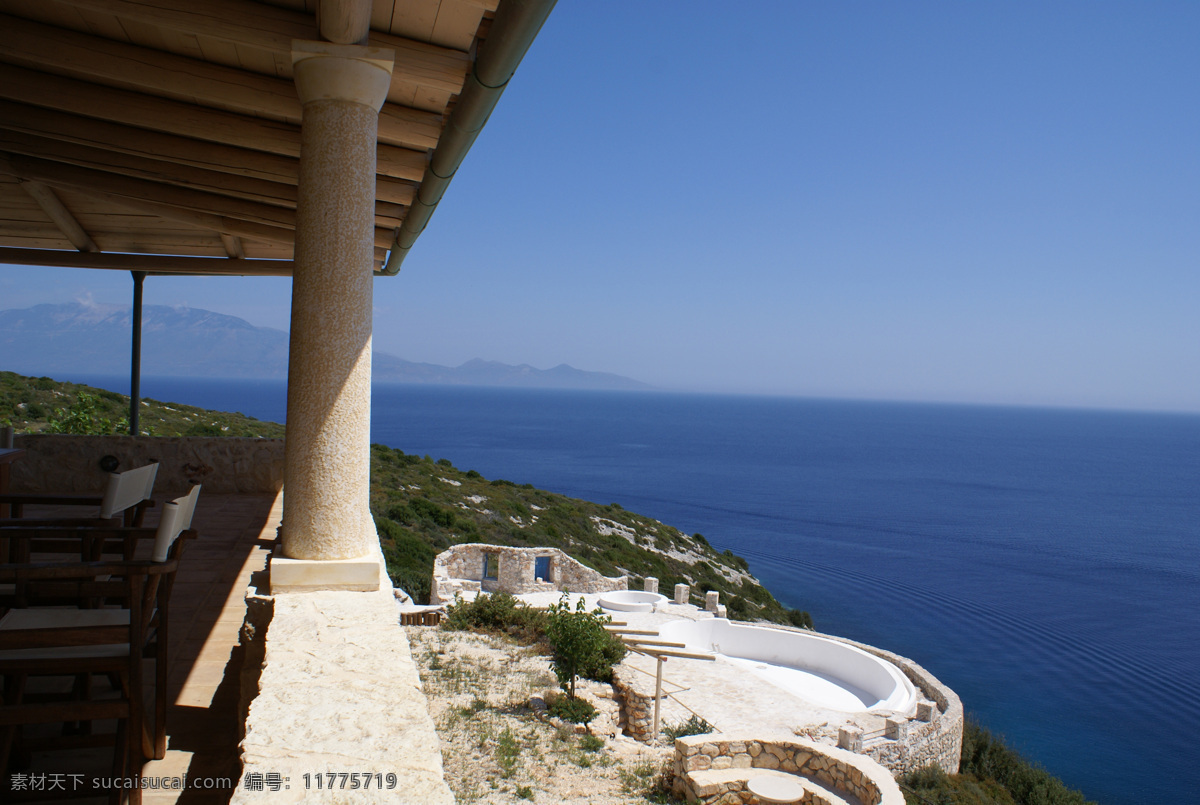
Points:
[(637, 708), (461, 568), (71, 464), (835, 769), (331, 687), (933, 738)]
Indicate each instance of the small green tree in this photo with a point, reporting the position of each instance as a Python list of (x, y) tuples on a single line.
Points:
[(579, 644), (84, 418)]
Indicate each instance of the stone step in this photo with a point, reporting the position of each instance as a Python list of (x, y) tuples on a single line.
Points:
[(712, 782)]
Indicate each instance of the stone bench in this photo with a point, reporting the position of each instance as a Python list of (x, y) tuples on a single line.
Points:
[(712, 784), (722, 763)]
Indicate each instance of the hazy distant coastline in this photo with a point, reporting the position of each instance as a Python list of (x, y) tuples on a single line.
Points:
[(179, 341)]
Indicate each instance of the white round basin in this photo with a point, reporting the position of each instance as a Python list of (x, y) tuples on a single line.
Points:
[(820, 670), (631, 601)]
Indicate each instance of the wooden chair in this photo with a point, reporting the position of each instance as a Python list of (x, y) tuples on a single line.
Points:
[(108, 640), (126, 493)]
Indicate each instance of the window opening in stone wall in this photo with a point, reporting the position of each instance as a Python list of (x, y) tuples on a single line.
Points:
[(541, 568), (491, 566)]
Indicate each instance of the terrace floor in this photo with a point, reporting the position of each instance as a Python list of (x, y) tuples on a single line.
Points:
[(207, 610)]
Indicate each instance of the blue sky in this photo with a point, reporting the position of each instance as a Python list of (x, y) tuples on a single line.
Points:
[(971, 202)]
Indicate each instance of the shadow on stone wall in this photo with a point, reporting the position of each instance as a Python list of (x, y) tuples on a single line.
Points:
[(71, 464)]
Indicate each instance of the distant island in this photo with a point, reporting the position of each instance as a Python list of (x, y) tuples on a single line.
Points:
[(181, 341)]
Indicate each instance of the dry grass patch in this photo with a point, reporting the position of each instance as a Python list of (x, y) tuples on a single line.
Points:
[(496, 749)]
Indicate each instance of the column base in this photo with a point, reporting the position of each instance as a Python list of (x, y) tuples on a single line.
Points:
[(361, 574)]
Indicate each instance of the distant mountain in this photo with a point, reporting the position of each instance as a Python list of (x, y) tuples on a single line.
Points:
[(180, 341)]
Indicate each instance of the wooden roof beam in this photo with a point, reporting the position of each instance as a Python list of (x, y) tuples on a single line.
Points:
[(150, 263), (268, 27), (218, 214), (277, 193), (344, 22), (73, 177), (99, 60), (387, 214), (178, 118), (60, 215), (117, 138), (233, 246)]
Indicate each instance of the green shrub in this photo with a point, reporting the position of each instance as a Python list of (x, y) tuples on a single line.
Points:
[(83, 418), (497, 613), (693, 726), (988, 758), (801, 619), (579, 644), (508, 751), (577, 711), (203, 429), (591, 743), (991, 774)]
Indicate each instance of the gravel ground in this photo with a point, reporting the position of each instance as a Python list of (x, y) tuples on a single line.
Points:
[(497, 747)]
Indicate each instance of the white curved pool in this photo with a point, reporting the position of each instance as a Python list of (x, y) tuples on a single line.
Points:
[(826, 672), (631, 601)]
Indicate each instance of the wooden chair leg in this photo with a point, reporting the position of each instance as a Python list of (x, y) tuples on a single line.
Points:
[(161, 669), (14, 690)]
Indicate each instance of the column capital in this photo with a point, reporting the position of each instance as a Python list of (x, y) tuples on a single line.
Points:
[(327, 72)]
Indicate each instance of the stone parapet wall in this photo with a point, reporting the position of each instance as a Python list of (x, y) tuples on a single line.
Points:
[(835, 769), (461, 568), (936, 741), (224, 465), (334, 690)]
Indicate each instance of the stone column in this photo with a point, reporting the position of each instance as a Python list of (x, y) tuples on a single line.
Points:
[(651, 584), (329, 540), (681, 593)]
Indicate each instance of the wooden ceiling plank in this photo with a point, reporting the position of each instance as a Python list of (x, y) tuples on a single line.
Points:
[(60, 215), (415, 20), (267, 192), (219, 214), (181, 119), (142, 111), (91, 58), (456, 24), (49, 126), (224, 52), (99, 23), (117, 137), (57, 174), (271, 28), (49, 239), (155, 38), (151, 263), (99, 188), (381, 14)]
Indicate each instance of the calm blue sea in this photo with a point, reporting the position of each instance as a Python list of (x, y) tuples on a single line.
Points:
[(1043, 563)]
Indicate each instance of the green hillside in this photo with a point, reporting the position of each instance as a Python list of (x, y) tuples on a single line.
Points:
[(42, 405), (422, 507)]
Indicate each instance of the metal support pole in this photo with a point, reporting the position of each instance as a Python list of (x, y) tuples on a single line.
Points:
[(135, 370), (658, 693)]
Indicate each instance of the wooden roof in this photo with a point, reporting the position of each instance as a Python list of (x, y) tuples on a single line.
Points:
[(172, 127)]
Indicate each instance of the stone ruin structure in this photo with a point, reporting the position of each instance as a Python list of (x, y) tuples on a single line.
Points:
[(476, 567)]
